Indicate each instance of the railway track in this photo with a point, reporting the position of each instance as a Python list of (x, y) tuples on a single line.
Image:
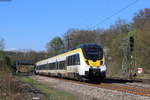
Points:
[(126, 89), (117, 86)]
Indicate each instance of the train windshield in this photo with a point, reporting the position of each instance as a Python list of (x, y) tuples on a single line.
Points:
[(93, 53)]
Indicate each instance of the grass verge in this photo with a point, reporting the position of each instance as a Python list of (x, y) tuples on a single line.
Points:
[(52, 94)]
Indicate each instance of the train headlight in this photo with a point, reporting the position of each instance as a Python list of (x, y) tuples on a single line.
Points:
[(87, 62), (101, 62)]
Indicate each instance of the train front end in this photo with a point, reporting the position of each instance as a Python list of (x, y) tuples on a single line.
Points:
[(95, 64)]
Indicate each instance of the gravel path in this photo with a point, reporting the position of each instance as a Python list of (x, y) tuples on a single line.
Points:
[(85, 92)]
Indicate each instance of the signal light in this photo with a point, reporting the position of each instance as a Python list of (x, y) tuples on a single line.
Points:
[(131, 43)]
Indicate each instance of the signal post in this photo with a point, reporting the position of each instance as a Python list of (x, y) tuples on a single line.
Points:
[(128, 62)]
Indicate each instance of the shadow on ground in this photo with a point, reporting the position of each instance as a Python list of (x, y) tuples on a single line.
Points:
[(114, 80)]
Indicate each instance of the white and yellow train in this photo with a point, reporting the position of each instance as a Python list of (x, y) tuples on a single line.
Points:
[(86, 61)]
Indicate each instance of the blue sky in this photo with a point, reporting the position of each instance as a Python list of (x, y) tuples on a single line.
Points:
[(30, 24)]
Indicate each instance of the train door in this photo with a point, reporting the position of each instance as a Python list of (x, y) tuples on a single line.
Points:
[(73, 63)]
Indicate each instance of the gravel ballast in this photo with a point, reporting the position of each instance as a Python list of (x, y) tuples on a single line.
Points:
[(85, 92)]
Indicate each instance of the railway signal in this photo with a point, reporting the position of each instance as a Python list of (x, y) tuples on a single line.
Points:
[(129, 56), (131, 43)]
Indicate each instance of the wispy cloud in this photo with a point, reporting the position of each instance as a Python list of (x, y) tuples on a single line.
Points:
[(10, 49)]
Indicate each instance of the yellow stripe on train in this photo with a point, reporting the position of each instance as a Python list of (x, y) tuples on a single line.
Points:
[(96, 63)]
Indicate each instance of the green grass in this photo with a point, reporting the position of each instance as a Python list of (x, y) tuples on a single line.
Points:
[(143, 76), (52, 94)]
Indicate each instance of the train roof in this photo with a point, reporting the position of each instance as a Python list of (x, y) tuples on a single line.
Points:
[(88, 45), (85, 45), (79, 46)]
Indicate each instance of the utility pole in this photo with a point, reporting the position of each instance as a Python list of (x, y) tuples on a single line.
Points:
[(68, 39), (125, 59)]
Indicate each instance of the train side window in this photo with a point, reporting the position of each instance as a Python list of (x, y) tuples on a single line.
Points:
[(77, 59), (40, 67), (54, 65), (37, 67), (48, 66), (58, 65), (45, 66), (51, 66), (69, 60), (73, 60), (61, 64)]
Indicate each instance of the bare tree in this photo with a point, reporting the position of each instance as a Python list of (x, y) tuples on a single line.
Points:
[(2, 46), (77, 37)]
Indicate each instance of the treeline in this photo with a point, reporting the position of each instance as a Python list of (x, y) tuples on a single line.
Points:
[(5, 63), (112, 40)]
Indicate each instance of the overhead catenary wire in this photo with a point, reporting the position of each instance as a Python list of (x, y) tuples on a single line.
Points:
[(114, 14)]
